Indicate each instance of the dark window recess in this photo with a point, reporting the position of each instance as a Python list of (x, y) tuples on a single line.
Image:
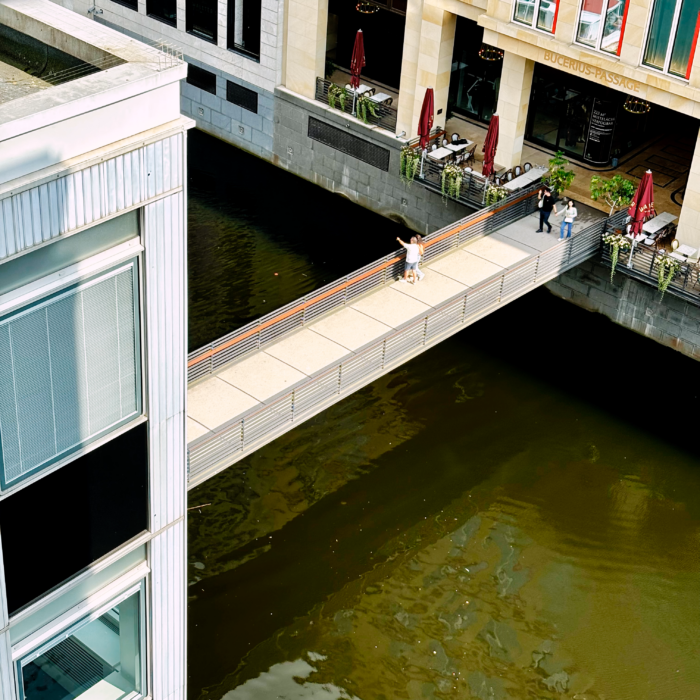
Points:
[(201, 18), (131, 4), (244, 26), (201, 78), (164, 10), (87, 509), (347, 143), (241, 96)]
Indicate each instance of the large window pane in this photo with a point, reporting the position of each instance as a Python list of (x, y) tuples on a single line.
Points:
[(164, 10), (102, 657), (545, 16), (525, 11), (612, 27), (201, 18), (684, 37), (659, 33), (589, 22), (244, 26)]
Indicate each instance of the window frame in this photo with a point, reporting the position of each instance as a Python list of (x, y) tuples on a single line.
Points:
[(48, 637), (231, 45), (599, 40), (671, 44), (533, 24)]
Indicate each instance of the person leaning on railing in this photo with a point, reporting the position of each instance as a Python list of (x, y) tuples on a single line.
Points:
[(412, 259)]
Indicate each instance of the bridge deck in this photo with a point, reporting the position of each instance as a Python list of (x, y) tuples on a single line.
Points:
[(261, 377)]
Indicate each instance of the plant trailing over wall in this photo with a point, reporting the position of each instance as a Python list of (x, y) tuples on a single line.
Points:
[(365, 106), (617, 242), (451, 181), (668, 267), (337, 93), (617, 192), (494, 194), (560, 178), (410, 164)]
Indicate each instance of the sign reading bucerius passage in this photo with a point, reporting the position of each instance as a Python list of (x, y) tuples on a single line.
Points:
[(598, 73)]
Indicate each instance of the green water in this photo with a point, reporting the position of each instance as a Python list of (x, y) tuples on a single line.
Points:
[(513, 514)]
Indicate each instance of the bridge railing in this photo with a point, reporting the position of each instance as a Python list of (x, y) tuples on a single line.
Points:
[(248, 432), (298, 313)]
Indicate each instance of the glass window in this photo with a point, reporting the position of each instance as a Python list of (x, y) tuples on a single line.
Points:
[(164, 10), (600, 24), (544, 11), (244, 26), (101, 656), (202, 19), (131, 4), (670, 37)]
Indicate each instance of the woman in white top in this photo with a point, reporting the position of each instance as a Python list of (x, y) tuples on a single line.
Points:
[(412, 258), (570, 214)]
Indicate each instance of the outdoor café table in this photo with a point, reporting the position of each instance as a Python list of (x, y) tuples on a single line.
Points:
[(658, 222), (457, 147), (440, 154), (523, 180), (686, 250), (380, 97), (360, 90)]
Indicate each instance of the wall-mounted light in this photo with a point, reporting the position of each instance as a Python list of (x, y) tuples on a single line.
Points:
[(490, 53), (635, 106)]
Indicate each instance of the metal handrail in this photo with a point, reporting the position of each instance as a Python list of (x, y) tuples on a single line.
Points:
[(248, 431), (386, 114), (272, 326)]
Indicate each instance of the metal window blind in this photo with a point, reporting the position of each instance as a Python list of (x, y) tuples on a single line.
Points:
[(242, 96), (69, 371), (347, 143)]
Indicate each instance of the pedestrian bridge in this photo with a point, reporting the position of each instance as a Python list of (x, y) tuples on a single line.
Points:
[(257, 383)]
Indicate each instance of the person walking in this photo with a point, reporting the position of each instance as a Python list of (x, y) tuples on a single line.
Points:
[(412, 258), (421, 248), (570, 214), (546, 204)]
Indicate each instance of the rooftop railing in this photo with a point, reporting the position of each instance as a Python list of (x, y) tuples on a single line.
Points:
[(384, 117)]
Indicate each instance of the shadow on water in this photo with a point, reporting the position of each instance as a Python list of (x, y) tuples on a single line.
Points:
[(516, 512), (260, 237)]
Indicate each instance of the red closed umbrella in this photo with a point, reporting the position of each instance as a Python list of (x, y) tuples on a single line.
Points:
[(642, 207), (490, 146), (425, 123), (358, 60)]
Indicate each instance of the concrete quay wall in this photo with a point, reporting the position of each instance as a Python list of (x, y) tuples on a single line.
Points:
[(632, 304)]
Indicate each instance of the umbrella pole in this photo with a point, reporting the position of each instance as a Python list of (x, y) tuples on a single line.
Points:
[(634, 243), (354, 97), (422, 160)]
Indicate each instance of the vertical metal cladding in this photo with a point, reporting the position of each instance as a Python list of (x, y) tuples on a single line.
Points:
[(168, 613), (165, 264), (48, 211)]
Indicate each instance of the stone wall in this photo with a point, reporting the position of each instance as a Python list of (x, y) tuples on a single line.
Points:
[(670, 321), (383, 192)]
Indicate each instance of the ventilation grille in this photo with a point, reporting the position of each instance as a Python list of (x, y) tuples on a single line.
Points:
[(203, 79), (75, 665), (68, 371), (241, 96), (353, 146)]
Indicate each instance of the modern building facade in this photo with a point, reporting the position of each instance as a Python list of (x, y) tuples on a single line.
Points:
[(92, 360)]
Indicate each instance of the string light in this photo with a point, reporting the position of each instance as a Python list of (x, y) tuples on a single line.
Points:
[(490, 53), (366, 8), (635, 106)]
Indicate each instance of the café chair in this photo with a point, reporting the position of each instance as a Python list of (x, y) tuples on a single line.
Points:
[(517, 171), (527, 167), (455, 138)]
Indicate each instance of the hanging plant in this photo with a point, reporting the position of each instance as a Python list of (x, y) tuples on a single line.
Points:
[(451, 181), (495, 193), (337, 93), (410, 164), (365, 106), (668, 267), (616, 242)]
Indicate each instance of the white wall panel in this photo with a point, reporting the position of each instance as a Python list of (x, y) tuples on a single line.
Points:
[(166, 313), (168, 613), (84, 197), (7, 680)]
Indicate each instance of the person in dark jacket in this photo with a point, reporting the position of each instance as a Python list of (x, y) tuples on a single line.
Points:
[(546, 206)]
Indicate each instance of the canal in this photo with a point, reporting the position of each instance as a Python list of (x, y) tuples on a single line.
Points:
[(513, 514)]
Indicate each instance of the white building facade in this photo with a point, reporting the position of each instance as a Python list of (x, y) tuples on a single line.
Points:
[(93, 327), (234, 50)]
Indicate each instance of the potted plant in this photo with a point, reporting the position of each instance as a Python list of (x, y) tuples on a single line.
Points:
[(668, 267), (616, 241), (559, 177), (339, 93), (410, 164), (495, 193), (451, 181), (617, 192), (365, 106)]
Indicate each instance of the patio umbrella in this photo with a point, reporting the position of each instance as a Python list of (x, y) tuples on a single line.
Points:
[(357, 63), (642, 208), (490, 146), (425, 123)]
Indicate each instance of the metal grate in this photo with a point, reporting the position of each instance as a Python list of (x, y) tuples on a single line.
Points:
[(202, 79), (242, 96), (351, 145)]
